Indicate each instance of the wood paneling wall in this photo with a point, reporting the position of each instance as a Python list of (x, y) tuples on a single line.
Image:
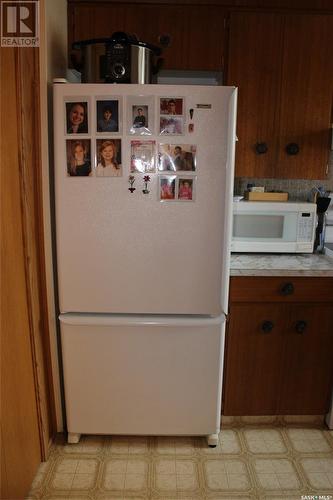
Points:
[(26, 405)]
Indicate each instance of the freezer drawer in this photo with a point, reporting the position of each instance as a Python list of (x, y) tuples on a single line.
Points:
[(142, 375)]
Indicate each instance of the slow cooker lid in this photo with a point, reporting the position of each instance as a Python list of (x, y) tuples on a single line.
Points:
[(117, 37)]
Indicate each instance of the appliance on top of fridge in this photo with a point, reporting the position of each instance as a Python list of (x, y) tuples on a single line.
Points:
[(143, 190)]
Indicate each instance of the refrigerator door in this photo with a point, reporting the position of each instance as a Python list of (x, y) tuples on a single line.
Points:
[(123, 252), (142, 375)]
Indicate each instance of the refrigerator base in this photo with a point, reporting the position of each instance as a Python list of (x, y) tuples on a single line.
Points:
[(142, 375), (74, 438), (213, 440)]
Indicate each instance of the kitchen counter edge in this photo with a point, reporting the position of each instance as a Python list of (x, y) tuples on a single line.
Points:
[(246, 264)]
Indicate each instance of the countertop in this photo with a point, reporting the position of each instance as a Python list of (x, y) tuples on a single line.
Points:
[(255, 264)]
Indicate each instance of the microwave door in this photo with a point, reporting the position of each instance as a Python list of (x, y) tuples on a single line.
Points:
[(258, 226), (265, 232)]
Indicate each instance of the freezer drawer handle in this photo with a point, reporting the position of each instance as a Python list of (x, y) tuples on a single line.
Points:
[(267, 326)]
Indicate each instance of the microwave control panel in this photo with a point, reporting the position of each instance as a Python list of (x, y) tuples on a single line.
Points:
[(305, 226)]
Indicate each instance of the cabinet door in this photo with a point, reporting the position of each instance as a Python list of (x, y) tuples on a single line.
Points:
[(253, 359), (204, 37), (308, 360), (254, 66), (101, 20), (306, 96), (196, 33)]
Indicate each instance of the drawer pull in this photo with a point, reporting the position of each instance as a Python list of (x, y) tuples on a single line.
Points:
[(292, 148), (261, 148), (301, 326), (287, 289), (267, 326)]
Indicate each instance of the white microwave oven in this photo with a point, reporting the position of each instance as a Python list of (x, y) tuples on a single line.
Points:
[(282, 227)]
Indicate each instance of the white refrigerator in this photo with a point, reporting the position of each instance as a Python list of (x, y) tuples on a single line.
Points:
[(143, 192)]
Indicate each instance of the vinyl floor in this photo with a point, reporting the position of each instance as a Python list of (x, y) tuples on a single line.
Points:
[(256, 458)]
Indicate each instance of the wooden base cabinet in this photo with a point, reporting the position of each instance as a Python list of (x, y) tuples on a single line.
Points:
[(306, 379), (279, 352)]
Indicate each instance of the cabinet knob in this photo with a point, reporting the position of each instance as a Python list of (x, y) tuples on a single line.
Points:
[(292, 148), (261, 148), (301, 326), (164, 40), (267, 326), (287, 289)]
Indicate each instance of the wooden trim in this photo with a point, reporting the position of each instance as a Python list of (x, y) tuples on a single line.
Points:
[(20, 433), (28, 119), (286, 5)]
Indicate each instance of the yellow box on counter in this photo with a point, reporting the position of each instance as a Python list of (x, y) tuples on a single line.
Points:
[(257, 196)]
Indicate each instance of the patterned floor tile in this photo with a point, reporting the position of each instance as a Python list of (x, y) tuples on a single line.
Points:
[(226, 496), (128, 445), (175, 474), (264, 441), (108, 497), (177, 496), (74, 474), (88, 444), (226, 474), (125, 474), (175, 445), (303, 419), (40, 476), (253, 461), (68, 496), (234, 497), (319, 472), (276, 474), (284, 497), (265, 419), (308, 440)]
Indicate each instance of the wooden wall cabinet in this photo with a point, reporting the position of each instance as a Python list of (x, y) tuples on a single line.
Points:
[(283, 67), (279, 346), (196, 32), (280, 61)]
